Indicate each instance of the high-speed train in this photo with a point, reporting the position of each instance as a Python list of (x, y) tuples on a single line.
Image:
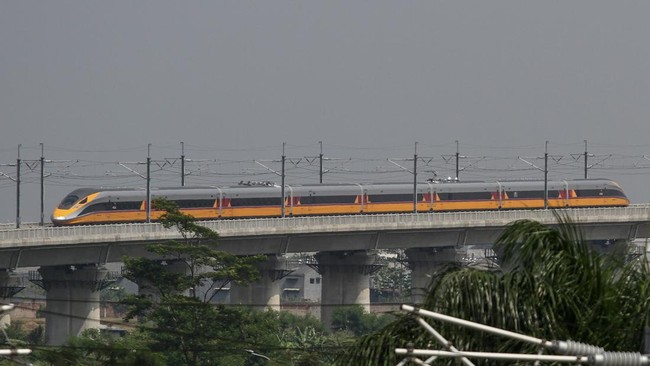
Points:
[(98, 205)]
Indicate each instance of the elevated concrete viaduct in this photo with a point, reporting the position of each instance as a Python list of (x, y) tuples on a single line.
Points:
[(345, 247)]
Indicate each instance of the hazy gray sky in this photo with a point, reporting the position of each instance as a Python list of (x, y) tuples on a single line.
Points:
[(116, 75)]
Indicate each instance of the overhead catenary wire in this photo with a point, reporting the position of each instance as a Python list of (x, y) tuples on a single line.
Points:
[(233, 165), (361, 165)]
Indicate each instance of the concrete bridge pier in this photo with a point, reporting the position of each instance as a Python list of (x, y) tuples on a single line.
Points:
[(265, 292), (346, 280), (72, 299), (424, 263), (10, 285)]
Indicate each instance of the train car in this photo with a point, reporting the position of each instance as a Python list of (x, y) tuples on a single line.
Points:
[(97, 205)]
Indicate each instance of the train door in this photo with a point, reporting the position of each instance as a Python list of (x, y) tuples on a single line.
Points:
[(219, 202), (566, 194), (290, 199), (430, 196), (363, 198)]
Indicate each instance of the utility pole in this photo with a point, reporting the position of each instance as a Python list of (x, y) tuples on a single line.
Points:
[(586, 159), (42, 185), (457, 160), (146, 177), (182, 164), (320, 158), (546, 177), (148, 183), (415, 179), (18, 189), (283, 196)]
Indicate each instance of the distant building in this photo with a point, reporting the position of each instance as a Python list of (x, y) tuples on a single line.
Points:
[(301, 285)]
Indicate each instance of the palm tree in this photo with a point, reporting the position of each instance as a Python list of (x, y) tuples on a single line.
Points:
[(551, 284)]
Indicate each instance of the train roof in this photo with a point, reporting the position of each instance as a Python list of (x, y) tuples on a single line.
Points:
[(349, 188)]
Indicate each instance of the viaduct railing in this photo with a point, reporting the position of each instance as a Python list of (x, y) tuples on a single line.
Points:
[(271, 226)]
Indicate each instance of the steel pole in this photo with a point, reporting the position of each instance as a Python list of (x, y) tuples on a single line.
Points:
[(18, 188), (546, 177), (182, 164), (457, 160), (586, 166), (42, 185), (282, 183), (320, 158), (415, 179), (149, 183)]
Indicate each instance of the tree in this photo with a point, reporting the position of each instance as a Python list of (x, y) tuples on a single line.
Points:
[(306, 342), (354, 319), (177, 318), (14, 331), (94, 347), (551, 285), (393, 279), (242, 336)]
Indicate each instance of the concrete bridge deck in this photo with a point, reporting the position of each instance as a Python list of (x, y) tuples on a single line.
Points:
[(36, 246)]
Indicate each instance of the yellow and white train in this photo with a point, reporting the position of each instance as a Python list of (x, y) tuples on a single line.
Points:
[(98, 206)]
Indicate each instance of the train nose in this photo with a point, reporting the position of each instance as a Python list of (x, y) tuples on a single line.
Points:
[(58, 217)]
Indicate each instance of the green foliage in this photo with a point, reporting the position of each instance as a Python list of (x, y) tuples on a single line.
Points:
[(112, 296), (393, 279), (183, 329), (292, 321), (180, 323), (551, 285), (14, 331), (242, 329), (94, 347), (306, 343), (36, 335), (190, 263), (354, 319), (378, 348), (15, 335)]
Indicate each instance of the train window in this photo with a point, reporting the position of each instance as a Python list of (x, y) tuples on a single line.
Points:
[(377, 198), (599, 193), (614, 193), (68, 201), (533, 194), (195, 203), (259, 201), (324, 200), (111, 206), (586, 192), (308, 200), (96, 207), (126, 206), (526, 194), (465, 196)]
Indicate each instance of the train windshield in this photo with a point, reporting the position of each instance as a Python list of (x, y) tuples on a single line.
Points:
[(74, 196), (68, 201)]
